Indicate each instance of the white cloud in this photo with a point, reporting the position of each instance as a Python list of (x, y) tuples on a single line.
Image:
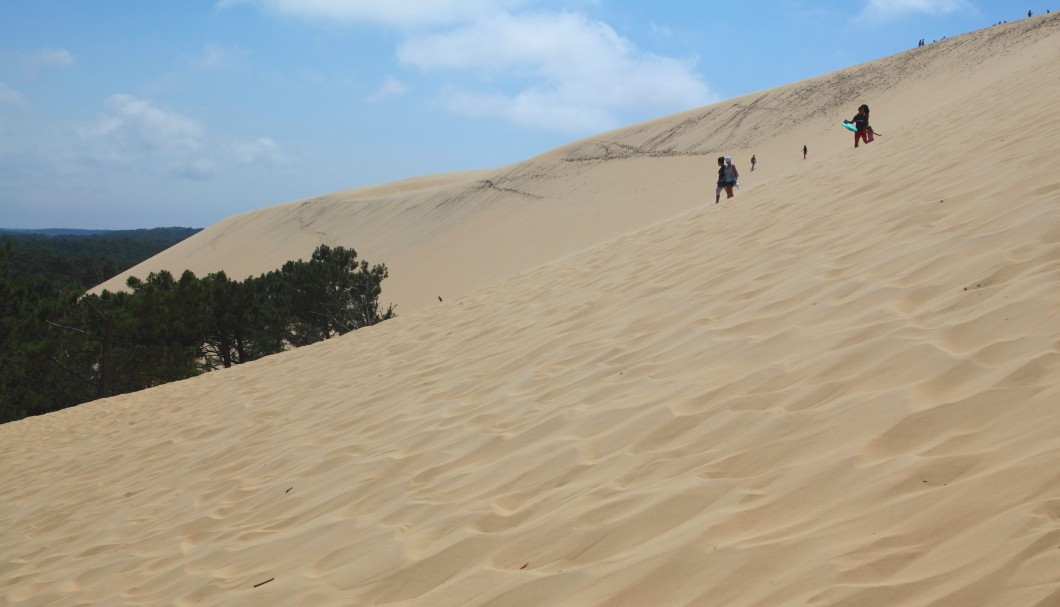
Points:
[(10, 96), (216, 57), (391, 87), (397, 13), (137, 133), (577, 75), (559, 71), (263, 152), (894, 9), (53, 58), (193, 169), (139, 125), (661, 31)]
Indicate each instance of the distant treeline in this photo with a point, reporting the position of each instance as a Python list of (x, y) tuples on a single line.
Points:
[(87, 258), (60, 347)]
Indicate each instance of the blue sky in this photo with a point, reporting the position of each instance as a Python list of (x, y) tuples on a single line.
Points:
[(120, 114)]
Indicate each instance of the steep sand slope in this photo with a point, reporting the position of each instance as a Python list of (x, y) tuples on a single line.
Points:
[(445, 235), (841, 389)]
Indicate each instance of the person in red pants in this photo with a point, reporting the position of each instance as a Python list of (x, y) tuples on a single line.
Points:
[(861, 123)]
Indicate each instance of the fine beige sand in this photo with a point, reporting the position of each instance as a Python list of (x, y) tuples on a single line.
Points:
[(842, 387)]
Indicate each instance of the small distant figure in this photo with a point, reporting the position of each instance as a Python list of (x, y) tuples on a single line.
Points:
[(753, 161), (727, 176), (1030, 14), (804, 151)]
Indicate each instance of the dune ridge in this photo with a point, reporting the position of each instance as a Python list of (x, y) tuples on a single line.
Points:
[(458, 232), (839, 388)]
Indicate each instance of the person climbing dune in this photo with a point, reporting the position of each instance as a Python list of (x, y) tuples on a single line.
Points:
[(723, 180)]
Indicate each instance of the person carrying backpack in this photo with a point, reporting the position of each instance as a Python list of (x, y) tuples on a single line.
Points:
[(724, 172), (732, 176)]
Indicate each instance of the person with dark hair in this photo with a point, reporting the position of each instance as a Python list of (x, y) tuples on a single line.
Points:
[(724, 183), (753, 161), (860, 121), (869, 133)]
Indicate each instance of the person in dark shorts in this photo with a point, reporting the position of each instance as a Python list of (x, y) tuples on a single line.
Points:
[(723, 182)]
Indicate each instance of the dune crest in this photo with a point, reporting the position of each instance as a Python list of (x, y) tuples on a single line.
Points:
[(839, 388), (461, 231)]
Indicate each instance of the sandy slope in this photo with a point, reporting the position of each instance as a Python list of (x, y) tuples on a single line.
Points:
[(445, 235), (842, 388)]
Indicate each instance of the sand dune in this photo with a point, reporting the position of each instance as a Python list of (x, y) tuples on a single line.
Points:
[(446, 235), (840, 388)]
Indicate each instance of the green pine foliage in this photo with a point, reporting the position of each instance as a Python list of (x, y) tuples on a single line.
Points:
[(90, 258), (60, 347)]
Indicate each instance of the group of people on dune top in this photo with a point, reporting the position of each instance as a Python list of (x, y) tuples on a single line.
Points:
[(728, 176)]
